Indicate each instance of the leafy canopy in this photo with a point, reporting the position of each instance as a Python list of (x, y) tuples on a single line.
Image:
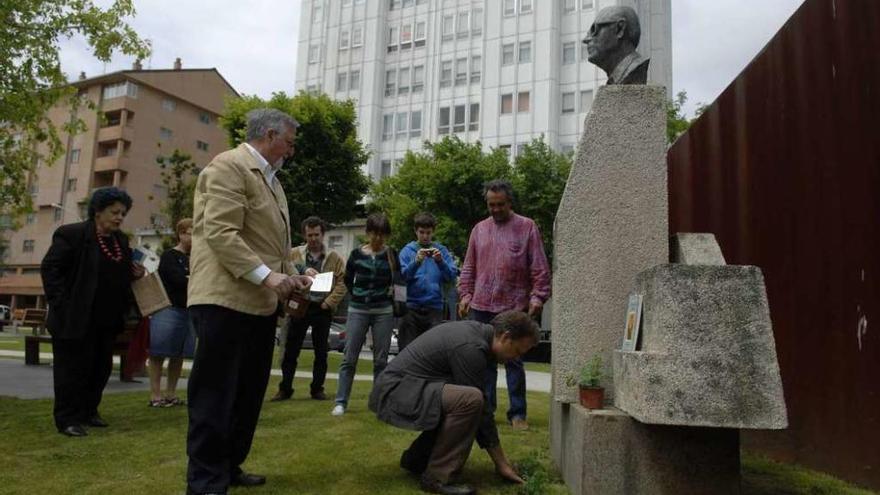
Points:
[(325, 178), (31, 80)]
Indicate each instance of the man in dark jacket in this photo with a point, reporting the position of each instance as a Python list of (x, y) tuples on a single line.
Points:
[(436, 386)]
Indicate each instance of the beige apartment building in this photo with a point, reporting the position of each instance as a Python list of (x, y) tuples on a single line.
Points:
[(139, 115)]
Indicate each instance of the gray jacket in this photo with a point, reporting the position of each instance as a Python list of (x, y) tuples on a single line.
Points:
[(408, 393)]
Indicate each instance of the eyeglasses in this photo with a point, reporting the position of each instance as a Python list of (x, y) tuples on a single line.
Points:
[(597, 26)]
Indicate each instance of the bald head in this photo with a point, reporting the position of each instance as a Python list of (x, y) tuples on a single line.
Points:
[(632, 31)]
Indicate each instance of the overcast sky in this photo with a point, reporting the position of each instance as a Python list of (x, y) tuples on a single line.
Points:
[(253, 43)]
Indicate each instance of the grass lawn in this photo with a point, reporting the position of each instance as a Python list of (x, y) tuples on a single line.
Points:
[(298, 445)]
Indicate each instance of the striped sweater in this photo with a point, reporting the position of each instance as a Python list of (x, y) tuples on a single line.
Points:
[(369, 279)]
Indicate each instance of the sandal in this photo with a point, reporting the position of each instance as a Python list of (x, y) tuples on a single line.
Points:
[(174, 401), (159, 403)]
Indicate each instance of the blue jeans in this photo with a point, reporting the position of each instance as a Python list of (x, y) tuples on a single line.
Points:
[(356, 334), (516, 377)]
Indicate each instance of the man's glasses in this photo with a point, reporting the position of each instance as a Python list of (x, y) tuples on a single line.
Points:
[(597, 27)]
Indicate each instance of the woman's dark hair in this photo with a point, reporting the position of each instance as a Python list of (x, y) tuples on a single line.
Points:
[(378, 223), (106, 196), (425, 221), (519, 324)]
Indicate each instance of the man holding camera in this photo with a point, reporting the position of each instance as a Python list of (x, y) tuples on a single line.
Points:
[(426, 265)]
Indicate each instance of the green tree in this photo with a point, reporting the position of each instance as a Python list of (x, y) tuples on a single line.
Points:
[(677, 122), (326, 177), (538, 179), (31, 80), (178, 176)]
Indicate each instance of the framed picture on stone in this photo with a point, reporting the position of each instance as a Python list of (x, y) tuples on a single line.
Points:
[(633, 323)]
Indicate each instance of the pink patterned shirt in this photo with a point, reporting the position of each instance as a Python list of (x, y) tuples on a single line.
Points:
[(505, 267)]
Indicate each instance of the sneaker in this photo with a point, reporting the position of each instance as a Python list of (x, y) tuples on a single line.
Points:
[(338, 410), (519, 424)]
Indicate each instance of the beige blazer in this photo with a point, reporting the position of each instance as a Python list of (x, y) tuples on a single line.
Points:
[(332, 262), (240, 221)]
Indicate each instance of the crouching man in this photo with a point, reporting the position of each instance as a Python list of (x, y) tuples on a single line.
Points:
[(435, 386)]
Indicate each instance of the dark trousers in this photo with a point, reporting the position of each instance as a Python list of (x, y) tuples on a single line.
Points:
[(319, 319), (415, 322), (441, 452), (515, 373), (80, 370), (225, 392)]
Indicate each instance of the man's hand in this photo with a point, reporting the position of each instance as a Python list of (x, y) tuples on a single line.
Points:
[(463, 308), (137, 270), (300, 282), (535, 308), (420, 255), (502, 466), (437, 256), (280, 283), (325, 306)]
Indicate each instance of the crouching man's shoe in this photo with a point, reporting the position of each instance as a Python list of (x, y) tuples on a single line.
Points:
[(246, 479), (433, 486), (73, 431)]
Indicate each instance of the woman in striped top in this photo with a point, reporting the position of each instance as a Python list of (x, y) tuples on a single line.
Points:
[(368, 276)]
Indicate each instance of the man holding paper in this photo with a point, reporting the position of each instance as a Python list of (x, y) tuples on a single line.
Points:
[(312, 259)]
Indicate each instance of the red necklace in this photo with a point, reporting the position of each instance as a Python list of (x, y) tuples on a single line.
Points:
[(116, 255)]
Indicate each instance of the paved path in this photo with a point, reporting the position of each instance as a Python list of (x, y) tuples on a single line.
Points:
[(35, 382)]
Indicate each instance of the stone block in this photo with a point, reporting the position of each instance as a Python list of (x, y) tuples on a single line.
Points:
[(707, 355), (696, 249), (611, 225), (608, 452)]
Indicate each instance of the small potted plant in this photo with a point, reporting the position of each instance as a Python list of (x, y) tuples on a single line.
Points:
[(591, 394)]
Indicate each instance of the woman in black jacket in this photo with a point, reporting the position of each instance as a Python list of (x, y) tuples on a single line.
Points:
[(87, 276)]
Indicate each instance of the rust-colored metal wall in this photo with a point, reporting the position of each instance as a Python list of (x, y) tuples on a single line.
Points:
[(784, 168)]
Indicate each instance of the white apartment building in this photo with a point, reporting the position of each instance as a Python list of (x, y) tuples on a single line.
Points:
[(499, 71)]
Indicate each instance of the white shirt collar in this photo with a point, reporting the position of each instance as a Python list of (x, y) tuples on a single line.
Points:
[(265, 167)]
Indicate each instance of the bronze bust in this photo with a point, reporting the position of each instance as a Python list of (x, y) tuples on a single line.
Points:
[(611, 45)]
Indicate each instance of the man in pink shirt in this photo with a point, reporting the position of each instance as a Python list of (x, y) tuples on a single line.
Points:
[(505, 268)]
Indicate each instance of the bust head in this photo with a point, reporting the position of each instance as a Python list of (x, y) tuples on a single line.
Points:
[(614, 34)]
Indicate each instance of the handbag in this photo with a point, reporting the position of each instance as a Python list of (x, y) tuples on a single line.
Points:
[(398, 288), (297, 305)]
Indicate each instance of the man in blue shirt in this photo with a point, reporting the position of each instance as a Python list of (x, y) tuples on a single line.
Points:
[(426, 266)]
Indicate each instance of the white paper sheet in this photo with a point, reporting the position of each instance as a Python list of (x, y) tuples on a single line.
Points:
[(323, 282)]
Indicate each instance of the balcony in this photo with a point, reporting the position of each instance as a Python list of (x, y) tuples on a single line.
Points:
[(115, 133)]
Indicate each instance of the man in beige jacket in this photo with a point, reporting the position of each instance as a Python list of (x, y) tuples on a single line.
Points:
[(239, 273)]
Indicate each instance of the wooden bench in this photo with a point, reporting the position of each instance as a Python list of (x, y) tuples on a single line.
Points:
[(32, 318), (120, 348)]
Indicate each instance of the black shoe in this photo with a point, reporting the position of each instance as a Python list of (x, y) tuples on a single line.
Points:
[(279, 396), (319, 395), (246, 479), (97, 421), (408, 463), (434, 486), (74, 431)]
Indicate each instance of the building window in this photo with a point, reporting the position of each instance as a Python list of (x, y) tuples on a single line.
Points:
[(461, 71), (164, 133), (357, 36), (474, 117), (507, 103), (386, 169), (74, 156), (586, 101), (568, 102), (421, 33), (344, 40), (402, 121), (317, 12), (314, 53), (59, 214), (124, 88), (342, 81), (447, 29), (568, 6), (525, 52), (415, 124), (403, 81), (523, 101), (406, 35), (71, 185), (204, 118), (476, 65), (507, 54), (354, 80), (418, 78), (586, 4), (443, 121), (387, 126), (567, 149), (390, 82), (446, 73), (393, 39), (585, 54), (459, 118), (477, 22), (525, 6), (27, 246), (168, 105), (509, 7), (505, 148), (30, 218), (463, 24), (568, 53), (335, 241), (393, 4), (202, 145)]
